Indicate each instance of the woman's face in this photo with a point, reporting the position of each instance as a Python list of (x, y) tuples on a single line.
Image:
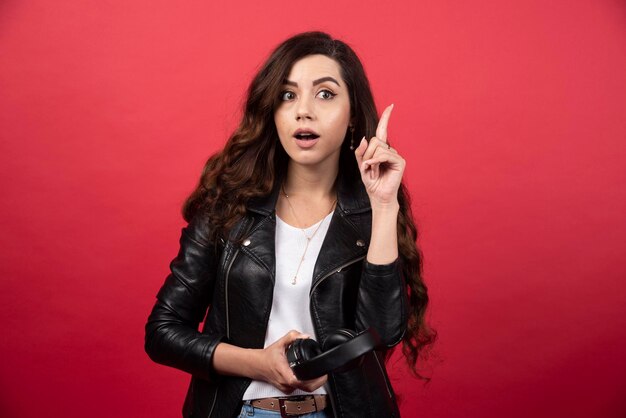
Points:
[(314, 114)]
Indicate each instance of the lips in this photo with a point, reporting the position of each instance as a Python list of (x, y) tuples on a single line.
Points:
[(305, 134)]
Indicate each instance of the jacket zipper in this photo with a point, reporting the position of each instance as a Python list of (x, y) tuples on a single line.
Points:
[(227, 320), (232, 260), (380, 367), (213, 404), (335, 271), (332, 402), (226, 293)]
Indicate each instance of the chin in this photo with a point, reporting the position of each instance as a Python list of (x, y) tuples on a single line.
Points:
[(313, 160)]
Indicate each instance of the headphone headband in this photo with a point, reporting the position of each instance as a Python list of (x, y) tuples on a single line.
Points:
[(335, 357)]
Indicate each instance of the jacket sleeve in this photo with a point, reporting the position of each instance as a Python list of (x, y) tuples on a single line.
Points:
[(382, 301), (172, 336)]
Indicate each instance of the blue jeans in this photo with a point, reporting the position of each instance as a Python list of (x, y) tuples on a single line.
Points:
[(248, 410)]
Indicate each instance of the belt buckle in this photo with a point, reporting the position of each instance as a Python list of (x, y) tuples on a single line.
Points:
[(283, 409)]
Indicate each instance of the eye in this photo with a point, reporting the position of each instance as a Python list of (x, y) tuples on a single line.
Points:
[(287, 95), (326, 94)]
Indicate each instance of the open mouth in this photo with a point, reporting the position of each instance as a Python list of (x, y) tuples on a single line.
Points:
[(306, 136)]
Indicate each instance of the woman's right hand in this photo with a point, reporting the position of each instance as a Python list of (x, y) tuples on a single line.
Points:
[(274, 368)]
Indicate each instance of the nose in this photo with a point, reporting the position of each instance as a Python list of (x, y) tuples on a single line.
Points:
[(304, 109)]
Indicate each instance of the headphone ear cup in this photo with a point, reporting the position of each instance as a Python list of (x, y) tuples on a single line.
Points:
[(342, 350), (309, 348), (342, 336), (301, 350)]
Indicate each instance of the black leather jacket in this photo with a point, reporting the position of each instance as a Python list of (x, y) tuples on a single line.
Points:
[(235, 282)]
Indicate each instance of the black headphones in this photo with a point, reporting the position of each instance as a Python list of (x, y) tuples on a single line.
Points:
[(341, 350)]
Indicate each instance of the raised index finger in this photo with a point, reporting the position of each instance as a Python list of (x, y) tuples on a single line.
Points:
[(381, 129)]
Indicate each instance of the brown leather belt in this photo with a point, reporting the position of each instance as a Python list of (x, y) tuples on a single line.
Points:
[(290, 407)]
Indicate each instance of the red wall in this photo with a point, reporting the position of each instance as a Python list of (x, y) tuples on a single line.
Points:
[(511, 116)]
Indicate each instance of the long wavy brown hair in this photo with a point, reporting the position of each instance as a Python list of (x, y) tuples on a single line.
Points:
[(253, 159)]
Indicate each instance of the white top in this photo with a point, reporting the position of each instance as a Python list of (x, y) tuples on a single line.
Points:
[(290, 305)]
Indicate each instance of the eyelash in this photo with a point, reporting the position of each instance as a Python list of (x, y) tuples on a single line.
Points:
[(329, 92), (282, 95)]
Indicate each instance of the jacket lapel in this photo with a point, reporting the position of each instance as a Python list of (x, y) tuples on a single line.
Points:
[(343, 242), (260, 242)]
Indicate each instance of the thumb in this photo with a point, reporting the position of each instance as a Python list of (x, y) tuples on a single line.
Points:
[(293, 335)]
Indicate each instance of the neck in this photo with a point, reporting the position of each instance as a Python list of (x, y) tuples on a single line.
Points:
[(310, 181)]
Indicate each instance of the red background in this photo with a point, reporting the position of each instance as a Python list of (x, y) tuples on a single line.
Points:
[(511, 116)]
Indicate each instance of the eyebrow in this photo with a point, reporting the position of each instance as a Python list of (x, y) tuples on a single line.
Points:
[(315, 82)]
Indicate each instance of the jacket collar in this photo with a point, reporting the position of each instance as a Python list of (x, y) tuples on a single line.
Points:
[(351, 197)]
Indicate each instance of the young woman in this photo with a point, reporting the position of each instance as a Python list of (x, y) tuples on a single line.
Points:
[(299, 226)]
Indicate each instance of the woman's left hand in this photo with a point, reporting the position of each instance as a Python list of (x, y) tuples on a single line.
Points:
[(380, 165)]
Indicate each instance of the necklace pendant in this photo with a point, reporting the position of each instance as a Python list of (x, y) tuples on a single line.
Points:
[(294, 280)]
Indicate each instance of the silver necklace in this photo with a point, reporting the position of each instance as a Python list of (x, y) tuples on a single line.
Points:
[(308, 238)]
